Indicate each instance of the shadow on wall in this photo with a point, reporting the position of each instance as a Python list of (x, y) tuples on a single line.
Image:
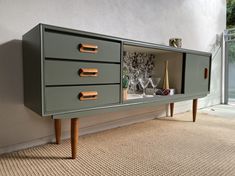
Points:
[(17, 121), (11, 72)]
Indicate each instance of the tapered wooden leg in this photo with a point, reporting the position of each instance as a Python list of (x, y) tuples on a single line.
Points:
[(57, 124), (194, 109), (74, 136), (172, 109)]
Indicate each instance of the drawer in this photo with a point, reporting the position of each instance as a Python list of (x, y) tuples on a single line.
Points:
[(69, 72), (64, 46), (60, 99)]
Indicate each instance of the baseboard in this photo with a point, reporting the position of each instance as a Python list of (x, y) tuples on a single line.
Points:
[(120, 123), (180, 107), (24, 145), (83, 131)]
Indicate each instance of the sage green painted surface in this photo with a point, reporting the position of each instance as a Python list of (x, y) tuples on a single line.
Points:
[(62, 99), (32, 70), (64, 46), (151, 102), (67, 73), (126, 41), (55, 64), (195, 82)]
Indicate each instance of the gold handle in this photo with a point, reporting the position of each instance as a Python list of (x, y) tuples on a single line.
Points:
[(83, 72), (88, 48), (91, 95), (205, 73)]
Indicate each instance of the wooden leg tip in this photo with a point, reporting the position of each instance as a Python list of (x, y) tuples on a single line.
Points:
[(74, 157)]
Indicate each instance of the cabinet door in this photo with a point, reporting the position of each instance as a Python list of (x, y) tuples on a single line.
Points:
[(197, 74)]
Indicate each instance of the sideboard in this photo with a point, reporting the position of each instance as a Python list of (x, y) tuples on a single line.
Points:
[(70, 73)]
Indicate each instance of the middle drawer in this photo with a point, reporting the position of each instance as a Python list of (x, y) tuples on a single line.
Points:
[(75, 73)]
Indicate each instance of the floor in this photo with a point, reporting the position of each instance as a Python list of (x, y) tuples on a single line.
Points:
[(166, 146), (221, 111)]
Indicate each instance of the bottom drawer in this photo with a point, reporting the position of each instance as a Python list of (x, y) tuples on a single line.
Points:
[(62, 99)]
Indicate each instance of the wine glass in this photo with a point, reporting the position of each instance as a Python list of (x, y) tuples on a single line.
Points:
[(134, 80), (154, 82), (133, 83), (144, 82)]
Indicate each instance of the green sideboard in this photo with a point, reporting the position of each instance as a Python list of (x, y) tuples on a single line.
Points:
[(70, 73)]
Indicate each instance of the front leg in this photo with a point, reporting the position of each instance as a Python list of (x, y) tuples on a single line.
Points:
[(74, 136), (57, 125)]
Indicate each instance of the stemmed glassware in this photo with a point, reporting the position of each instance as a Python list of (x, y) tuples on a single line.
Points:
[(144, 82), (134, 80), (154, 82), (141, 77)]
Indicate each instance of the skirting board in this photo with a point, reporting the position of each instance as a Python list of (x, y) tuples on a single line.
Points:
[(180, 107), (82, 131)]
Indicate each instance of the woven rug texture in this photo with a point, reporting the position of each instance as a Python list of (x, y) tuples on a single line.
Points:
[(165, 146)]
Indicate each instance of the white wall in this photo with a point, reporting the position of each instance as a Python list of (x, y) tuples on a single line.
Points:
[(196, 22)]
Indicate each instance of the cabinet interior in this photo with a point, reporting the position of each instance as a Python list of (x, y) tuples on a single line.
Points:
[(141, 61)]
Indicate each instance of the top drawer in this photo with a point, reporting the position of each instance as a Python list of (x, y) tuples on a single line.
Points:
[(65, 46)]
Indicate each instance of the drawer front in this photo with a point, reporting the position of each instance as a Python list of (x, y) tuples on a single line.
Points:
[(67, 73), (63, 46), (62, 99)]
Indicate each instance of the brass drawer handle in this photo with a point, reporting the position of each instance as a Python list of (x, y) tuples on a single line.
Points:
[(91, 95), (88, 48), (205, 73), (86, 72)]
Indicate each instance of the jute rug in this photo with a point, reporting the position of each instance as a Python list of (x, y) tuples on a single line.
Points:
[(169, 146)]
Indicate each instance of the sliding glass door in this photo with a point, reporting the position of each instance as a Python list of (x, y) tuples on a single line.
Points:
[(230, 66)]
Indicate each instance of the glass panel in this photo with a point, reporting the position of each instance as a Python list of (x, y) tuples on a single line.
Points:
[(231, 79)]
